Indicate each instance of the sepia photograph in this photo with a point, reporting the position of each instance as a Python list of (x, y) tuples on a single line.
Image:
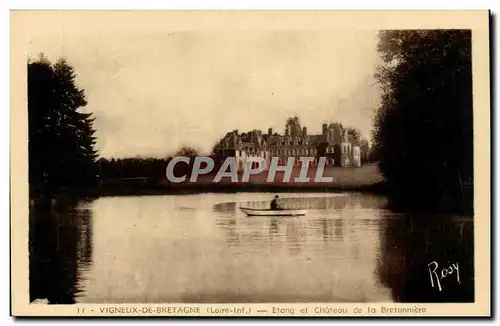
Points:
[(250, 163)]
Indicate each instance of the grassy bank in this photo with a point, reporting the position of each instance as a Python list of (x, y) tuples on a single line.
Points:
[(366, 179)]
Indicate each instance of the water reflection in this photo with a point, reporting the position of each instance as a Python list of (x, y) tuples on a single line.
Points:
[(60, 252), (352, 201), (410, 243), (202, 248)]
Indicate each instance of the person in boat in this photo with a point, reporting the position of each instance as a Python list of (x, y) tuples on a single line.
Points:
[(274, 204)]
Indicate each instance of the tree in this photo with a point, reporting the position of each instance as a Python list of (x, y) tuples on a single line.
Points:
[(61, 141), (355, 134), (216, 148), (136, 167), (292, 126), (187, 151), (365, 150), (423, 133)]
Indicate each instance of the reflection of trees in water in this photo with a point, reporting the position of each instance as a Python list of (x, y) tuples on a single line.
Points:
[(409, 244), (349, 201), (225, 207), (84, 242), (60, 249), (294, 236), (273, 226), (339, 234), (326, 229)]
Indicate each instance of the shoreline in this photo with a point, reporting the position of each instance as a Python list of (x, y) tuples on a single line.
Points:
[(378, 188)]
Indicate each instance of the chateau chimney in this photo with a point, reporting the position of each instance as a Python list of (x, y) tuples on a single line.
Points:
[(235, 132), (270, 131), (304, 131), (325, 128)]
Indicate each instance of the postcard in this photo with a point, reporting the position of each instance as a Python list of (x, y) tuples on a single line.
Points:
[(250, 163)]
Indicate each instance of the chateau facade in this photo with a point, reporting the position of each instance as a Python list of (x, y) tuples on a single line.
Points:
[(334, 143)]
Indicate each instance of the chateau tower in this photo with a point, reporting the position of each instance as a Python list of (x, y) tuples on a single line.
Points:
[(344, 146)]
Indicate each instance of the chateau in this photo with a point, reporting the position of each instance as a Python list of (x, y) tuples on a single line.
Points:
[(334, 143)]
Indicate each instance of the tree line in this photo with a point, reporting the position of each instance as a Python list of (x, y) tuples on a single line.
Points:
[(144, 167), (423, 132)]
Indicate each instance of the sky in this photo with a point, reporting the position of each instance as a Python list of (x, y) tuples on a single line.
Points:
[(155, 87)]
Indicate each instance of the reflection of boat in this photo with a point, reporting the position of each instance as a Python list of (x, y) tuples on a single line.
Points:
[(271, 212)]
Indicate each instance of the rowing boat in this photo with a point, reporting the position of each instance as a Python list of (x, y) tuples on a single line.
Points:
[(271, 212)]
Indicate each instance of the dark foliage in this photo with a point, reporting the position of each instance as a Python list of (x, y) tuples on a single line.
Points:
[(133, 168), (363, 144), (187, 151), (365, 151), (423, 133), (355, 134), (61, 139), (139, 167)]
